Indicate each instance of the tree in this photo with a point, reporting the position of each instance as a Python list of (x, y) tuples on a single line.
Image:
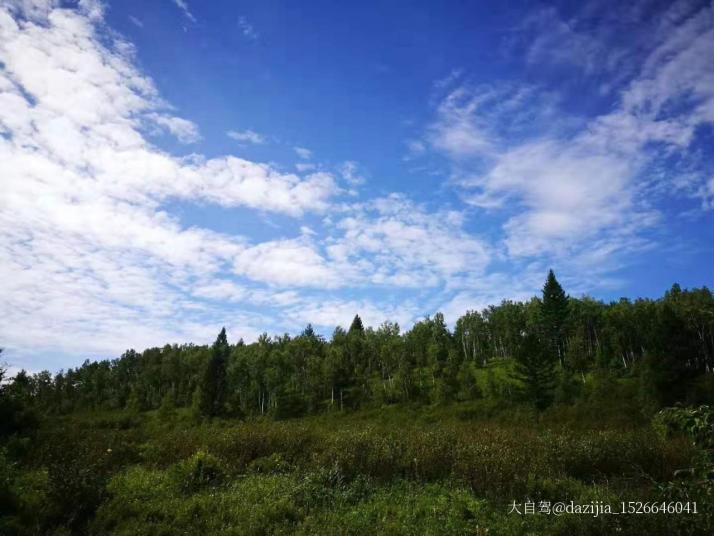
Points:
[(16, 412), (213, 384), (168, 406), (535, 367), (468, 388), (554, 314), (3, 370), (356, 328), (471, 334), (359, 362)]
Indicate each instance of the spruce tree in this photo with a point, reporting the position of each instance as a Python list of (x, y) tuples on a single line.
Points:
[(554, 315), (213, 384), (358, 362), (356, 328), (535, 368)]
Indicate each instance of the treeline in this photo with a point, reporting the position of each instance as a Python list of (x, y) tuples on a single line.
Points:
[(548, 345)]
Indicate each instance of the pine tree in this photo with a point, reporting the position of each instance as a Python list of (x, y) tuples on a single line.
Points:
[(213, 385), (356, 328), (308, 332), (360, 363), (535, 367), (554, 314)]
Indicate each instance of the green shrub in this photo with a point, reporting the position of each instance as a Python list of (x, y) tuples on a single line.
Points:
[(697, 423), (198, 471)]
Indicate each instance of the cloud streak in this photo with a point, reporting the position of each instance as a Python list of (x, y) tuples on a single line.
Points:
[(246, 136), (183, 7)]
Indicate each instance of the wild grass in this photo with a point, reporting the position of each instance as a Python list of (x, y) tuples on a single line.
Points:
[(399, 470)]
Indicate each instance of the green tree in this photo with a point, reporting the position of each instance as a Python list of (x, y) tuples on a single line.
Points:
[(213, 384), (468, 388), (471, 334), (554, 315), (535, 367), (167, 409), (356, 328)]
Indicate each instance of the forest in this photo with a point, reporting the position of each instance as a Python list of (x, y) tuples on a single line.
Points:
[(379, 430)]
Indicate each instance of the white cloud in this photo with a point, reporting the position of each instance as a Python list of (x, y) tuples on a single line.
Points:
[(474, 122), (567, 192), (89, 262), (350, 173), (287, 263), (92, 261), (449, 79), (567, 184), (402, 245), (389, 242), (183, 6), (184, 130), (249, 136), (302, 166), (303, 153), (457, 132), (603, 40)]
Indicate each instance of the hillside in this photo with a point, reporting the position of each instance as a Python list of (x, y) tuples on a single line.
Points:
[(554, 400)]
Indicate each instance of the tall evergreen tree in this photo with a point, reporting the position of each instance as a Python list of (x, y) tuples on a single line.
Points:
[(213, 384), (535, 367), (554, 315), (356, 328)]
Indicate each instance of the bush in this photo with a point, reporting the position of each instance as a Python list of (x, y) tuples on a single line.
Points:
[(197, 472), (697, 423)]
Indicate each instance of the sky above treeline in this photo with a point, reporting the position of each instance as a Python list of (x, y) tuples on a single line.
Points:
[(173, 166)]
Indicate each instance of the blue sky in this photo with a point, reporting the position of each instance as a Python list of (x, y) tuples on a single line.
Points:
[(169, 167)]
